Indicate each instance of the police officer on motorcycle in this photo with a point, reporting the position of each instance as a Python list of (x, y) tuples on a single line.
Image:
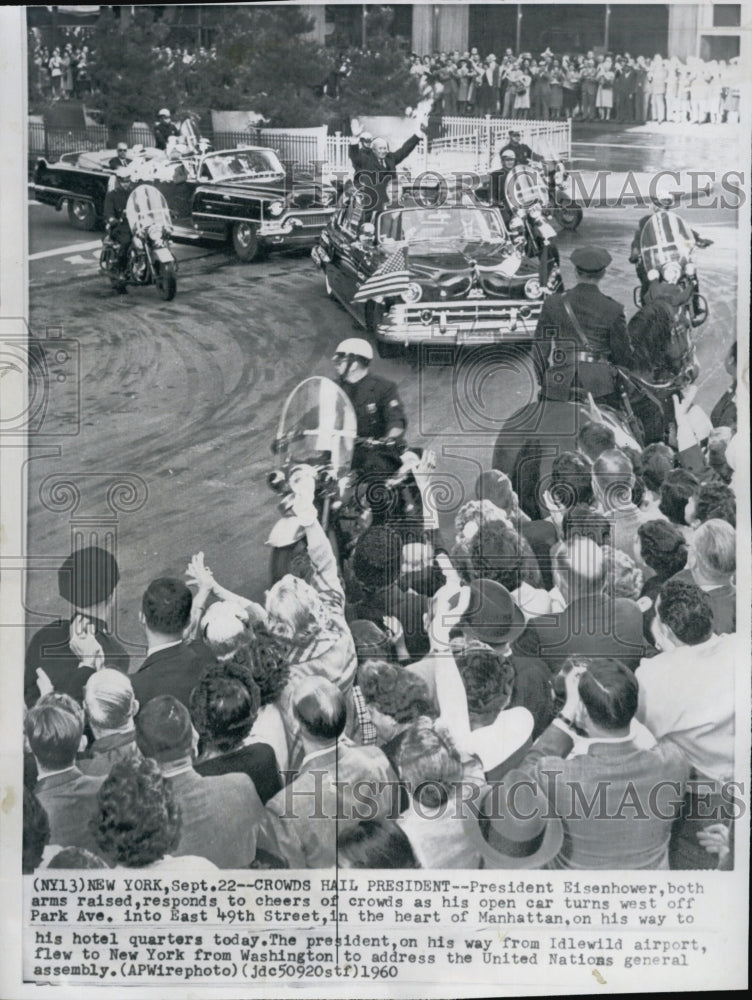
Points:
[(377, 406), (497, 183), (581, 334), (118, 227), (521, 150)]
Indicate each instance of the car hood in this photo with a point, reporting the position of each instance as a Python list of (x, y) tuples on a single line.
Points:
[(431, 261)]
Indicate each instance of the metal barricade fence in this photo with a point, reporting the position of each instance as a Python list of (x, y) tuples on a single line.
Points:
[(464, 144)]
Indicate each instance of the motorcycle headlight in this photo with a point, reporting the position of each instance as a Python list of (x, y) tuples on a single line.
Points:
[(276, 207), (413, 292), (154, 232), (689, 269), (532, 288), (653, 274), (535, 211), (671, 272)]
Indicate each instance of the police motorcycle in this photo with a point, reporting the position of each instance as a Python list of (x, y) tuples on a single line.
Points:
[(318, 429), (555, 176), (549, 177), (150, 259), (665, 255), (530, 226)]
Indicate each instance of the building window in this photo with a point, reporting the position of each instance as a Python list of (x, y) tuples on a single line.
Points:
[(716, 47), (727, 15)]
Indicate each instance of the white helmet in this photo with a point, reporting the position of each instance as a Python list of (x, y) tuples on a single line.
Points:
[(163, 113), (357, 348), (123, 174)]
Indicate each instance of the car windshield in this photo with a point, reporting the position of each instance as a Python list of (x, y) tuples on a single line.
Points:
[(242, 163), (456, 224)]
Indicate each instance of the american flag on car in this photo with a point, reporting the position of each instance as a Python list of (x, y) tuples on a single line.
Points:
[(392, 278)]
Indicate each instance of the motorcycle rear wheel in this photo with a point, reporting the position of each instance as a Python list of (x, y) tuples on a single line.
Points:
[(167, 282)]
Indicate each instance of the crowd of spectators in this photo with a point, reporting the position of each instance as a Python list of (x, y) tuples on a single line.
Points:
[(591, 86), (434, 702)]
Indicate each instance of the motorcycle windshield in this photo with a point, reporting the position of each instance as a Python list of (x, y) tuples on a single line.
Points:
[(146, 207), (318, 424), (526, 186), (665, 238)]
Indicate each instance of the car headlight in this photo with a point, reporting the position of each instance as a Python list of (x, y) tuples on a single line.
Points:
[(653, 274), (413, 292), (671, 272), (532, 288), (276, 207)]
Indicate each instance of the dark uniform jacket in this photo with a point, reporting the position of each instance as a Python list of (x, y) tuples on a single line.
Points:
[(116, 162), (114, 207), (377, 405), (162, 132), (604, 325), (378, 409), (368, 169), (522, 151)]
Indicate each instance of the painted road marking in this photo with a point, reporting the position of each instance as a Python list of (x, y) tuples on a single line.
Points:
[(71, 248)]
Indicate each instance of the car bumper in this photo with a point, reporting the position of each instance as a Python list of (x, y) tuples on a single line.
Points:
[(475, 321)]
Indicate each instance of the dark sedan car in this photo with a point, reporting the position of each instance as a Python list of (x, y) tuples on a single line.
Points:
[(446, 273), (238, 196)]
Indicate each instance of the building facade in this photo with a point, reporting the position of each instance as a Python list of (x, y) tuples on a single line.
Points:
[(707, 30)]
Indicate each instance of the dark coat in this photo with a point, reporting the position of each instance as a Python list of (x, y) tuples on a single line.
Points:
[(369, 171), (175, 670), (49, 650), (604, 326)]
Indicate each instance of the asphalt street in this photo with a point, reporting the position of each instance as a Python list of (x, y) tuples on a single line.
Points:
[(178, 402)]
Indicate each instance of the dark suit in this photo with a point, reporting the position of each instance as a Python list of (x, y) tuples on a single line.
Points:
[(375, 173), (597, 625), (50, 650), (175, 670), (604, 326), (220, 817), (628, 799), (70, 801), (116, 162)]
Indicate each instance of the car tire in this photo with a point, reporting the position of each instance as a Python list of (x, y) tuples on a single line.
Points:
[(245, 242), (82, 214)]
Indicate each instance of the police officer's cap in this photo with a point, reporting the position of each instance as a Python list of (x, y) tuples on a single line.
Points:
[(591, 260), (356, 347), (513, 132), (123, 173), (163, 113)]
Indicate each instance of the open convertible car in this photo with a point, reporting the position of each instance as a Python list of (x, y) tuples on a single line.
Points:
[(415, 273), (239, 196)]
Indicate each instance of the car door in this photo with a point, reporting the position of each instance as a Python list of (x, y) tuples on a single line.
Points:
[(343, 271)]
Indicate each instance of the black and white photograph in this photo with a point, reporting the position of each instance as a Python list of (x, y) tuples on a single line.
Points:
[(374, 450)]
